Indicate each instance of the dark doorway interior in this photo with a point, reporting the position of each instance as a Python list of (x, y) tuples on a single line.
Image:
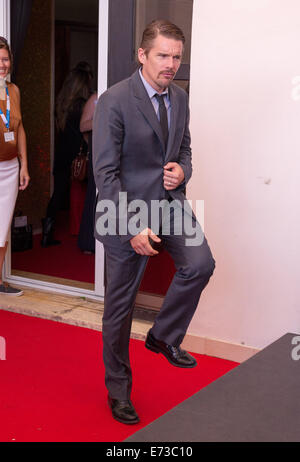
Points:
[(56, 37), (127, 21)]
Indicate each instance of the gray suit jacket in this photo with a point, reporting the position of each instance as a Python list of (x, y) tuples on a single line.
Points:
[(128, 148)]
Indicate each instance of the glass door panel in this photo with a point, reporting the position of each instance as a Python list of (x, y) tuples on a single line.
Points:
[(127, 21), (64, 36)]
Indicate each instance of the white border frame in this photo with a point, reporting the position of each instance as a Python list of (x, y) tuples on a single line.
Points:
[(98, 292), (5, 19)]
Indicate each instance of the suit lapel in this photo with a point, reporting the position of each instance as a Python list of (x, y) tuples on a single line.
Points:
[(173, 121), (145, 105)]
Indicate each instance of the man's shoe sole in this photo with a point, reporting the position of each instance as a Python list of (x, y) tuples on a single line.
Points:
[(126, 422)]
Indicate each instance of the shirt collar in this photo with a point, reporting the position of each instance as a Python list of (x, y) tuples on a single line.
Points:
[(150, 90)]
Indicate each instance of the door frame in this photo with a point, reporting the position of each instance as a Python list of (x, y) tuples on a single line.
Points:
[(143, 299), (121, 43), (98, 292)]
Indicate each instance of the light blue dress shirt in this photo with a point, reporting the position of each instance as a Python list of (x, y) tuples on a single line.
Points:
[(151, 93)]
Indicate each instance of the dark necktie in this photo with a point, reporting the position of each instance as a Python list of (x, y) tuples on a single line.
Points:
[(163, 117)]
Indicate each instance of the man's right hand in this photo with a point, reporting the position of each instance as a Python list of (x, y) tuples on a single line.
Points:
[(141, 244)]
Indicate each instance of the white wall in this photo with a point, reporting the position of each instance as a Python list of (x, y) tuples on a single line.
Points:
[(4, 19), (245, 129)]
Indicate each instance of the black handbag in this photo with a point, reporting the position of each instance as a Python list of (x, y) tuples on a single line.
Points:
[(21, 238)]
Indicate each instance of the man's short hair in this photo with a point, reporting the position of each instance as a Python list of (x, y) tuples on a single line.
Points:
[(162, 27)]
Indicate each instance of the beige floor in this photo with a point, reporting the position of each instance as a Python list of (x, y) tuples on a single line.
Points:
[(79, 311), (67, 309)]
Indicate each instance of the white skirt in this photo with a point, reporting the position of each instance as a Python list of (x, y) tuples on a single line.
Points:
[(9, 186)]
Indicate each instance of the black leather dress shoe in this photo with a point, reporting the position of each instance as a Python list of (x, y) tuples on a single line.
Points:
[(123, 411), (175, 355)]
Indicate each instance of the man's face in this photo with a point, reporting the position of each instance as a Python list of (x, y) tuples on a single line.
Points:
[(162, 62)]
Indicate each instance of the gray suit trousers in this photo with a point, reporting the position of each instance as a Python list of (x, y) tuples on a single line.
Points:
[(124, 271)]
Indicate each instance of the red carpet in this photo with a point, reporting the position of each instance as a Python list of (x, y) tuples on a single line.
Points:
[(63, 261), (52, 383)]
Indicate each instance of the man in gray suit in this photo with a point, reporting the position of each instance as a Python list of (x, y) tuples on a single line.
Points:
[(141, 158)]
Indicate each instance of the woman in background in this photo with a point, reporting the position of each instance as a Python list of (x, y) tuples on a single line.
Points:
[(13, 176), (86, 240), (75, 92)]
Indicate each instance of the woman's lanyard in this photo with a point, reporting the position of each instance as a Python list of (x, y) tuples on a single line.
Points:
[(8, 136), (7, 118)]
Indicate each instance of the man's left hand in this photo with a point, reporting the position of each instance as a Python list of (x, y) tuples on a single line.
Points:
[(173, 175)]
